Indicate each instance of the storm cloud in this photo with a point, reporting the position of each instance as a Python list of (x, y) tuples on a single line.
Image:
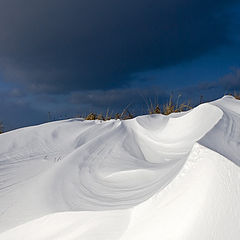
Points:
[(231, 81), (59, 46)]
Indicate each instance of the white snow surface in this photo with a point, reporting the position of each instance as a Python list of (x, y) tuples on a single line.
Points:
[(153, 177)]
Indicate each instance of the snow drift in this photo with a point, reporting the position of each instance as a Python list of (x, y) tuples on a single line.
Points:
[(153, 177)]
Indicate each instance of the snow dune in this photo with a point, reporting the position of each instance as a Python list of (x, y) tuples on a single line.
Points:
[(153, 177)]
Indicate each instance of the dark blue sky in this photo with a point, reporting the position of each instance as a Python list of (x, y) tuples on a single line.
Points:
[(72, 57)]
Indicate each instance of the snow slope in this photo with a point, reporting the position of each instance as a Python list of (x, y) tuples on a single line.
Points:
[(153, 177)]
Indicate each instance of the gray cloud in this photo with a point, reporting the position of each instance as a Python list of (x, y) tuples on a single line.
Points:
[(58, 46), (231, 81), (227, 84), (17, 111)]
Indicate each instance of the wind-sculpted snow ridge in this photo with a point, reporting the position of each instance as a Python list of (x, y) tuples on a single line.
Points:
[(153, 177)]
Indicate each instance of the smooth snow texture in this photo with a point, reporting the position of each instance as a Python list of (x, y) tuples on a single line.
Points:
[(157, 177)]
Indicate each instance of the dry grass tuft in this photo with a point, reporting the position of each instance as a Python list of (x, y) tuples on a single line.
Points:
[(117, 116), (100, 117), (126, 114), (91, 116), (237, 95), (166, 109), (1, 127), (108, 115), (169, 107)]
